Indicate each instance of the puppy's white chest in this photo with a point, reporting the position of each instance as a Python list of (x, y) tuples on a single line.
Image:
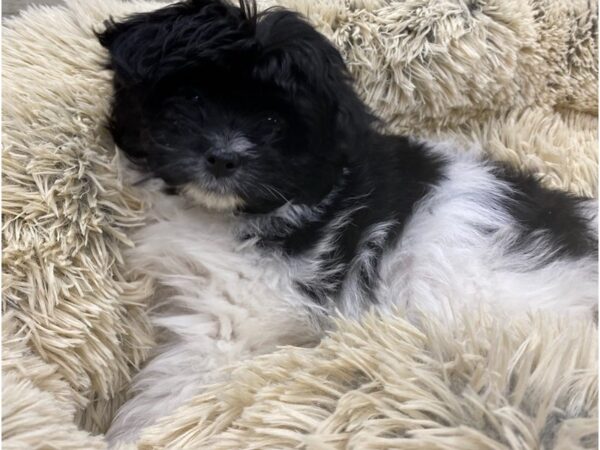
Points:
[(202, 269)]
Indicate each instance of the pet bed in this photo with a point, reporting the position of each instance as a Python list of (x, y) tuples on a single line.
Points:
[(518, 78)]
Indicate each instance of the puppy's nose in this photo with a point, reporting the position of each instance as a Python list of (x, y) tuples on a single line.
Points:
[(222, 163)]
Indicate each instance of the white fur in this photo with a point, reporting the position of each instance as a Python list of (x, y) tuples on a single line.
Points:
[(233, 142), (211, 200), (446, 261), (222, 301)]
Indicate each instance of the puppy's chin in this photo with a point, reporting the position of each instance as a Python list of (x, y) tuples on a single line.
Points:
[(210, 200)]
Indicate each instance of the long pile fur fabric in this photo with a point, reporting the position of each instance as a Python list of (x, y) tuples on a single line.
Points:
[(517, 77)]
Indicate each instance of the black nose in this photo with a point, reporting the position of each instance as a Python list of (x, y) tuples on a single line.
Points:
[(222, 164)]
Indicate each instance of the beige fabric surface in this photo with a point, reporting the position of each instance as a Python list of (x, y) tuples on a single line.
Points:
[(488, 385), (517, 77)]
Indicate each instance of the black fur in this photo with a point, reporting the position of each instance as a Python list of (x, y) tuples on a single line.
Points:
[(383, 187), (243, 70), (193, 77), (556, 214)]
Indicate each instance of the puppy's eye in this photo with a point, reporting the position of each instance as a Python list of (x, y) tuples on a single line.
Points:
[(273, 121), (195, 98)]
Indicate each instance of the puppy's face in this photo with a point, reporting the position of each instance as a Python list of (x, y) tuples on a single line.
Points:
[(231, 141), (233, 109)]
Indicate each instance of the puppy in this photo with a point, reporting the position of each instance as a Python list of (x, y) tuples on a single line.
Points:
[(277, 203)]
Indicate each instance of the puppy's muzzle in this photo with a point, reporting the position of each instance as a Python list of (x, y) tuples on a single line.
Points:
[(222, 163)]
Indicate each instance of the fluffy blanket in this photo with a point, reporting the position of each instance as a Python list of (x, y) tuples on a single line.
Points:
[(517, 77)]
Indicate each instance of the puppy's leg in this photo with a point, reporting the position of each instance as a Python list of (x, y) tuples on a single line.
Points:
[(181, 370), (218, 305), (173, 377)]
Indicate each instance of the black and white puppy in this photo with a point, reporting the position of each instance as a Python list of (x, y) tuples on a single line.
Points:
[(290, 206)]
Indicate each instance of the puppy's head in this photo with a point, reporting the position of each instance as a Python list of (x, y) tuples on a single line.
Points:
[(237, 109)]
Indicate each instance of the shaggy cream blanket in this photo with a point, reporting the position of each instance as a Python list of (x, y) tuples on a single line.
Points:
[(517, 77)]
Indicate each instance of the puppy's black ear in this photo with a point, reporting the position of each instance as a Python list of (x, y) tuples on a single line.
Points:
[(150, 46), (302, 61)]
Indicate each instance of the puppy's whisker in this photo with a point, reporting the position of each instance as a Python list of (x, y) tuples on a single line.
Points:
[(184, 162), (274, 191)]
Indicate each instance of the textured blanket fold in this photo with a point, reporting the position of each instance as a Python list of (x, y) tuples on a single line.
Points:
[(518, 79)]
